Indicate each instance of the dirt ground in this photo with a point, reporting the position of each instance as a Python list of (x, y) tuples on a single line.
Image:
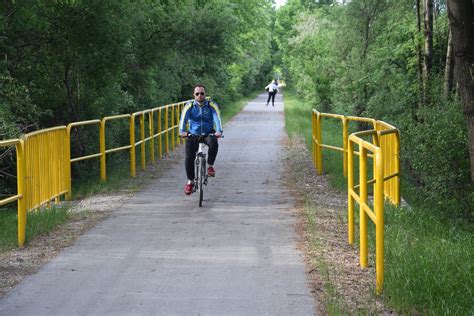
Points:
[(332, 265)]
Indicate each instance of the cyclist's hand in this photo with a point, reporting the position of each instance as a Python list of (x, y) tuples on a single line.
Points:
[(183, 134), (218, 134)]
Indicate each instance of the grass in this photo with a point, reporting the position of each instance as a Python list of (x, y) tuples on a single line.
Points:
[(38, 223), (429, 263), (429, 259), (298, 122)]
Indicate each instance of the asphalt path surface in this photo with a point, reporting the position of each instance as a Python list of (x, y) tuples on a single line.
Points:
[(161, 254)]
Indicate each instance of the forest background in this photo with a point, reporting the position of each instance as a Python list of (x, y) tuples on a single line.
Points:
[(64, 61), (392, 61), (67, 61)]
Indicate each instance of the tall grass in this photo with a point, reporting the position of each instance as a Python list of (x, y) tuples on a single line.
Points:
[(429, 262), (429, 259), (298, 122), (38, 223)]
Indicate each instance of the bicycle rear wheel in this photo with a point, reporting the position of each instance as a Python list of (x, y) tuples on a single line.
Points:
[(201, 175)]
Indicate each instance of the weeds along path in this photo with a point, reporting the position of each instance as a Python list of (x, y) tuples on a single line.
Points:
[(159, 253)]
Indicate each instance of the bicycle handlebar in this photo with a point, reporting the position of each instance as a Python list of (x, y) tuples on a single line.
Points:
[(203, 136)]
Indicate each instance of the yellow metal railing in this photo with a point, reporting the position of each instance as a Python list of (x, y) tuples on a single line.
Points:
[(384, 152), (46, 166), (44, 157), (19, 197)]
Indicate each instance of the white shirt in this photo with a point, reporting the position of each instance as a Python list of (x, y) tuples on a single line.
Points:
[(272, 87)]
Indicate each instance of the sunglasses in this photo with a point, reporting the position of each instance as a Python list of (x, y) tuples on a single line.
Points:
[(199, 93)]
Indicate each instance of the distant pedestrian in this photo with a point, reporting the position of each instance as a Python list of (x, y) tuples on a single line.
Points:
[(272, 89)]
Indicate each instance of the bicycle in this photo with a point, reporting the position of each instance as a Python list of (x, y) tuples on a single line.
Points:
[(200, 171)]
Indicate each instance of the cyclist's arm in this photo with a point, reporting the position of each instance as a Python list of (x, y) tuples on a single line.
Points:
[(185, 117), (216, 114)]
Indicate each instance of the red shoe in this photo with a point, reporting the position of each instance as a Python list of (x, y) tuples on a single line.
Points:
[(188, 188), (211, 172)]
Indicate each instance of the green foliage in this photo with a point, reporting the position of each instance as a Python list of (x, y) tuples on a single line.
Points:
[(361, 58), (68, 61), (436, 158)]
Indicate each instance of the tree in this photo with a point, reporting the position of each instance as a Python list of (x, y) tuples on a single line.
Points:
[(449, 67), (428, 53), (461, 18)]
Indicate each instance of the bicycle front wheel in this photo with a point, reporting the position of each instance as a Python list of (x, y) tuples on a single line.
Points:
[(201, 175)]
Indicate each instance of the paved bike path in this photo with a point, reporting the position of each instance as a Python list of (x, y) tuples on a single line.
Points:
[(160, 253)]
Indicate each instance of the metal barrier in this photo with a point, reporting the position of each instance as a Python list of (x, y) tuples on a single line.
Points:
[(20, 196), (44, 157), (46, 166), (384, 151)]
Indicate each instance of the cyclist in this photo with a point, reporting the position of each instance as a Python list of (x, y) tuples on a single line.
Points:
[(204, 118)]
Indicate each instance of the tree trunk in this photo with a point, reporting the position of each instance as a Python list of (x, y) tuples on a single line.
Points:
[(461, 18), (449, 69), (428, 31), (420, 54)]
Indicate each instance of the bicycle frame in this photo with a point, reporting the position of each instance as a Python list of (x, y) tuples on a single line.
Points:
[(200, 172)]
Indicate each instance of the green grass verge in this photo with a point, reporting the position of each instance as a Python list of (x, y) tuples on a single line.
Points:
[(429, 263), (38, 223), (298, 122), (429, 260)]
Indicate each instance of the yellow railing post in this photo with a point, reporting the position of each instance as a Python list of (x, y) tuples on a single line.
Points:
[(160, 130), (21, 192), (103, 161), (345, 137), (167, 130), (173, 130), (68, 165), (313, 137), (142, 139), (379, 215), (362, 205), (133, 171), (397, 168), (319, 153), (350, 189), (152, 135), (178, 139)]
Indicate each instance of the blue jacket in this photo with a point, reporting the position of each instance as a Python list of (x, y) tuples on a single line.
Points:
[(201, 119)]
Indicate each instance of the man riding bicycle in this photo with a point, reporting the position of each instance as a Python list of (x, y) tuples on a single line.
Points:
[(204, 119)]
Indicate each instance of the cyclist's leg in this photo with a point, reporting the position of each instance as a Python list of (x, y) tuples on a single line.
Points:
[(211, 142), (273, 97), (192, 144)]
